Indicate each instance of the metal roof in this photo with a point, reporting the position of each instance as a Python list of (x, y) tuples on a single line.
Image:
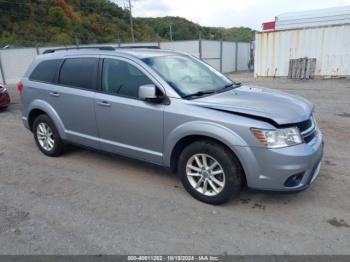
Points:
[(313, 18)]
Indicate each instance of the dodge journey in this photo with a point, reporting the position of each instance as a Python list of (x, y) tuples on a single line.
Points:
[(171, 109)]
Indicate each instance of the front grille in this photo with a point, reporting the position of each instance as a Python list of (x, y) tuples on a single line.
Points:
[(307, 129), (305, 125), (309, 137)]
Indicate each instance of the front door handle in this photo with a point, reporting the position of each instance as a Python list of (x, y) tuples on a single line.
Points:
[(104, 103), (55, 94)]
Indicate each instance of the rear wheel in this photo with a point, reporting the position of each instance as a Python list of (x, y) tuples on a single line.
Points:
[(210, 172), (46, 136)]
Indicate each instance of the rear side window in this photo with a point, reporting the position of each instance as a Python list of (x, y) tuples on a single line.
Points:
[(45, 71), (79, 72)]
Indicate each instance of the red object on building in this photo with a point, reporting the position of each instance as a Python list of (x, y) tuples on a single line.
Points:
[(269, 25)]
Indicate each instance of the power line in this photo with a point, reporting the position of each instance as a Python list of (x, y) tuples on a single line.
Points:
[(131, 23)]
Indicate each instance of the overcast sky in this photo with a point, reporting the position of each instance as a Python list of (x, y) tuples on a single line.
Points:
[(226, 13)]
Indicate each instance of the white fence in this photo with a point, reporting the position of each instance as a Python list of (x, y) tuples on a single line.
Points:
[(224, 56)]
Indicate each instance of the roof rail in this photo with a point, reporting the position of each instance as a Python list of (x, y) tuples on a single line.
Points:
[(141, 46), (105, 48), (109, 48)]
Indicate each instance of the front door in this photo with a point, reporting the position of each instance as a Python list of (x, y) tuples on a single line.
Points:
[(127, 125)]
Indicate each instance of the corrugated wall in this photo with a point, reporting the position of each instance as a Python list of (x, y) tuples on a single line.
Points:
[(16, 61), (229, 57), (211, 53), (243, 56), (190, 46), (329, 45)]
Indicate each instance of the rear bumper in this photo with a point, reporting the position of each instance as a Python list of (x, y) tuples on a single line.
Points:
[(4, 100), (287, 169)]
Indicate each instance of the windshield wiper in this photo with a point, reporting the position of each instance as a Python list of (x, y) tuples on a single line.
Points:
[(200, 93), (228, 87), (233, 84)]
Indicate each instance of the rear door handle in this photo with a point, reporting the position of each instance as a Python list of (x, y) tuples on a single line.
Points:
[(55, 94), (104, 103)]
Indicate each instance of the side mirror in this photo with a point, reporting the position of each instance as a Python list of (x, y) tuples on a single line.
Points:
[(148, 93)]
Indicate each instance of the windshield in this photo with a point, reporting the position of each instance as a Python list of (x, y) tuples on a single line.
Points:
[(187, 75)]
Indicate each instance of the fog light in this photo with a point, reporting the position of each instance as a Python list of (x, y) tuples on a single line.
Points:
[(294, 180)]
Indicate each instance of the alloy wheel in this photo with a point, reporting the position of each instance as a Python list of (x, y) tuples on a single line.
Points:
[(45, 136), (205, 174)]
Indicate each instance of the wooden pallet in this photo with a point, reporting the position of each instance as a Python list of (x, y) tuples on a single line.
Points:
[(302, 68)]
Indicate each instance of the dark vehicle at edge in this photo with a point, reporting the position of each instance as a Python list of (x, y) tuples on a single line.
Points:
[(4, 97)]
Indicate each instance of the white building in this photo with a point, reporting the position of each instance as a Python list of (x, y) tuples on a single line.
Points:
[(322, 34)]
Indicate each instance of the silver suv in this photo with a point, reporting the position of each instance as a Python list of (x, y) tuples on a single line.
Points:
[(171, 109)]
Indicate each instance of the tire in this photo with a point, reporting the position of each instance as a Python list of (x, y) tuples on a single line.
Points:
[(231, 177), (54, 146)]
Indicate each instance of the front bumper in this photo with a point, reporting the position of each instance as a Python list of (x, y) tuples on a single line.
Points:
[(271, 169)]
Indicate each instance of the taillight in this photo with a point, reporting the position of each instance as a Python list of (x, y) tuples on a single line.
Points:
[(20, 87)]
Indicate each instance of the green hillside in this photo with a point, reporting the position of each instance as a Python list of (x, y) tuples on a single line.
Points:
[(58, 22), (182, 29)]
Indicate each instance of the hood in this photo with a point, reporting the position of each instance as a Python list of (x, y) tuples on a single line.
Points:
[(277, 106)]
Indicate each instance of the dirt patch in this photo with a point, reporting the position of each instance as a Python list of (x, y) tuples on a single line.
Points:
[(329, 163), (11, 217), (245, 200), (259, 206), (344, 115), (338, 222)]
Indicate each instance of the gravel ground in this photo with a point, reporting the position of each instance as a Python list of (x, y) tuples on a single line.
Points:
[(91, 203)]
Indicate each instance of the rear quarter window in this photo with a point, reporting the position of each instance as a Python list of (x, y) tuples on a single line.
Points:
[(45, 71), (79, 72)]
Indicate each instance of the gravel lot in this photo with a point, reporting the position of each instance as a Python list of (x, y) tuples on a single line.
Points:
[(91, 203)]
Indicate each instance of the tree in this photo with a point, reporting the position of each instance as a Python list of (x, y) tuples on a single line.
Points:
[(50, 22), (58, 18)]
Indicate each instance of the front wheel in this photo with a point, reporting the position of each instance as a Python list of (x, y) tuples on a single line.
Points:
[(46, 136), (210, 172)]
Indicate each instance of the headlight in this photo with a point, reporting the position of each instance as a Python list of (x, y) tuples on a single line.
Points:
[(313, 119), (279, 137)]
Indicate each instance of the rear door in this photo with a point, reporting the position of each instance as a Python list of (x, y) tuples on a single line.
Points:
[(126, 124), (73, 99)]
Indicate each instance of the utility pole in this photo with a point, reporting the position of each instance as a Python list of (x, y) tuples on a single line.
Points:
[(171, 33), (131, 23)]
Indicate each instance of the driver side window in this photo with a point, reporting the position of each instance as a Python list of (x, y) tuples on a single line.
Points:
[(122, 78)]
